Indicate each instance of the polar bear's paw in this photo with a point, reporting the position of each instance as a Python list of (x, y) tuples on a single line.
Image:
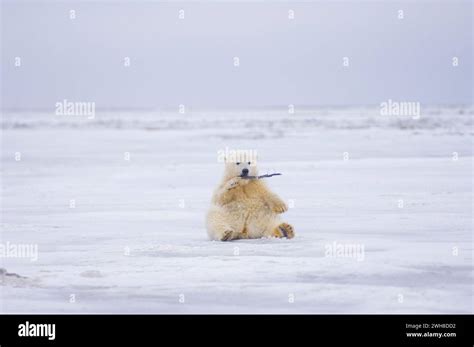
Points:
[(227, 235), (236, 182), (279, 207), (284, 230)]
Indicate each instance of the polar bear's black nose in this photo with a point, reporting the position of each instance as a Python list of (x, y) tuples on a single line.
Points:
[(245, 172)]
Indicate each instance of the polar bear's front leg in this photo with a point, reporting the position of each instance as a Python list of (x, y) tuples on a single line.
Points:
[(226, 191), (276, 204)]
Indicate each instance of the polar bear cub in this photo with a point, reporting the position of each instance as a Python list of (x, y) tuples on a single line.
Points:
[(244, 208)]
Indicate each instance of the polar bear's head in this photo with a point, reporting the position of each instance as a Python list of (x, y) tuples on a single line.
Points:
[(240, 165)]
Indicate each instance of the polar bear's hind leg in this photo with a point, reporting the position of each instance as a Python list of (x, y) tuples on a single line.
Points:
[(219, 227), (284, 230)]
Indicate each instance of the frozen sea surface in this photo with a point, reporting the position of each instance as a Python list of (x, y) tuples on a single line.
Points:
[(136, 242)]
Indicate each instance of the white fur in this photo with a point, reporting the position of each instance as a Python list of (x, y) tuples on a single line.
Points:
[(243, 208)]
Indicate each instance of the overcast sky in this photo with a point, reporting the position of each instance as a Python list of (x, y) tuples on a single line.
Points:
[(191, 61)]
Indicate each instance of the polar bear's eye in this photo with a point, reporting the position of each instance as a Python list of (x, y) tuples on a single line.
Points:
[(238, 163), (249, 163)]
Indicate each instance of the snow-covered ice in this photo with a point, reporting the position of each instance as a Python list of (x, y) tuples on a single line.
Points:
[(136, 240)]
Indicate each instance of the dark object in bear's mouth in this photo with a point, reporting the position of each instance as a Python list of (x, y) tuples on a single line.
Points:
[(259, 177)]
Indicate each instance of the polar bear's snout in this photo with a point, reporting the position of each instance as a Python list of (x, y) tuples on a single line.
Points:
[(245, 172)]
